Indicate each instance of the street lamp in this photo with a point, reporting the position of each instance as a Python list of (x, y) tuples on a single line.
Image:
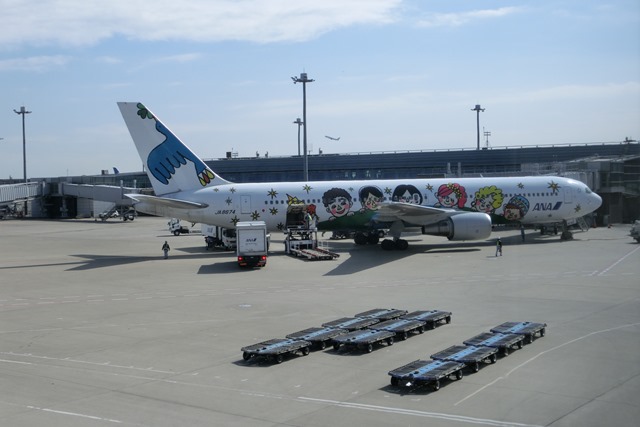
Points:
[(23, 111), (304, 80), (299, 123), (477, 109)]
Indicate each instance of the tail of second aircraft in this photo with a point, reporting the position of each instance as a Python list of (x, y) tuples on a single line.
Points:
[(171, 165)]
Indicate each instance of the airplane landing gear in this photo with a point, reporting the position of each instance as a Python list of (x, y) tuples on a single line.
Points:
[(371, 238), (399, 244), (566, 234)]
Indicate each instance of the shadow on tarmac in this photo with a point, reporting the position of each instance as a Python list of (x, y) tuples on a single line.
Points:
[(360, 257)]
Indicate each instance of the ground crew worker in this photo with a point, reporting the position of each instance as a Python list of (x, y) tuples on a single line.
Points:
[(166, 249), (499, 247)]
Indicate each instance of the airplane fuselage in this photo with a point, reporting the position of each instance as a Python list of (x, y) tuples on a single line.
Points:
[(352, 205), (455, 208)]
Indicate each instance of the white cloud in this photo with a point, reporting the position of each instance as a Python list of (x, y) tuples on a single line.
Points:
[(34, 63), (181, 58), (462, 18), (110, 60), (84, 23)]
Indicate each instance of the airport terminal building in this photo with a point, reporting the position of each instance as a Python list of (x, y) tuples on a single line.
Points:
[(611, 169)]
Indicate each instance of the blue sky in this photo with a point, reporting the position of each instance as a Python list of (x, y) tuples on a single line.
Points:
[(389, 75)]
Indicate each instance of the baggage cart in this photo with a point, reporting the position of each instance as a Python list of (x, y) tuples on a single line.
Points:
[(351, 323), (471, 356), (431, 317), (274, 350), (528, 329), (382, 314), (400, 327), (363, 339), (503, 342), (320, 337), (423, 372)]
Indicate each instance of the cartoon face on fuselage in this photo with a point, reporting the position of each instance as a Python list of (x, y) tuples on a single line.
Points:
[(407, 193), (488, 199), (516, 208), (370, 197), (451, 195), (337, 201)]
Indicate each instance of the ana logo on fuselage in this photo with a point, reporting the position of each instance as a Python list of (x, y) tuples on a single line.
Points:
[(547, 206)]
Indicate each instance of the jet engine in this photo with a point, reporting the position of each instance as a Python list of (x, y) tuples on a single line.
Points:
[(465, 226)]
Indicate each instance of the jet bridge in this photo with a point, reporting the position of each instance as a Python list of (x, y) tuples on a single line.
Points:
[(114, 203), (14, 197)]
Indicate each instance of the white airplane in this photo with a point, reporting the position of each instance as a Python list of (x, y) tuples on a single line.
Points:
[(332, 138), (456, 208)]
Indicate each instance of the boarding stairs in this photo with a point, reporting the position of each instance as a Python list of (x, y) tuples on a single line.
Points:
[(582, 224)]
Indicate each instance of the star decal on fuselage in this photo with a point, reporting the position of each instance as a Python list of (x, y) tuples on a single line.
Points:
[(273, 211), (272, 193), (293, 200), (307, 188), (554, 187)]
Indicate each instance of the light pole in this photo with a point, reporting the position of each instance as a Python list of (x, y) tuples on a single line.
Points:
[(487, 134), (477, 109), (23, 111), (304, 80), (299, 123)]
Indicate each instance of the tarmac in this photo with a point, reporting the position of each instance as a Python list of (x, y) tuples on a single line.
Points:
[(97, 329)]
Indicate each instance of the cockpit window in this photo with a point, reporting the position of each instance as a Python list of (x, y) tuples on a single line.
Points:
[(587, 190)]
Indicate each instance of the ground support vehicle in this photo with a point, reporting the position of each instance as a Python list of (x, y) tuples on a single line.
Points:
[(219, 237), (252, 243), (176, 228), (400, 327), (382, 314), (363, 339), (431, 317), (503, 342), (304, 243), (423, 372), (351, 323), (528, 329), (276, 349), (319, 337), (635, 230), (471, 356)]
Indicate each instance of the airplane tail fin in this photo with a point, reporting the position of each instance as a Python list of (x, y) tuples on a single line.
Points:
[(170, 164)]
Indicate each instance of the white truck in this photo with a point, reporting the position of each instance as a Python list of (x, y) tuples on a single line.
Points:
[(176, 228), (219, 237), (635, 230), (252, 243)]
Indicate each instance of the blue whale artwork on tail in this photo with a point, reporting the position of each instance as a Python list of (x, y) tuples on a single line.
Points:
[(170, 154)]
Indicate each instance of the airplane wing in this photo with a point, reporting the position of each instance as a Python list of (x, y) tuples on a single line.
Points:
[(411, 213), (166, 202)]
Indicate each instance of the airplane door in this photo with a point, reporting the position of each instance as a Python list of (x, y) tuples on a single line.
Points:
[(245, 204), (568, 195)]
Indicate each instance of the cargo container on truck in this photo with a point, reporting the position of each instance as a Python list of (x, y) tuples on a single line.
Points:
[(252, 243)]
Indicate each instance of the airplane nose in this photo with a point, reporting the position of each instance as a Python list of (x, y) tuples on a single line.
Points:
[(596, 201)]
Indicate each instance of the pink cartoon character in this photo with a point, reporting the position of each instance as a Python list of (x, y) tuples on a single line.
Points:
[(451, 196)]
